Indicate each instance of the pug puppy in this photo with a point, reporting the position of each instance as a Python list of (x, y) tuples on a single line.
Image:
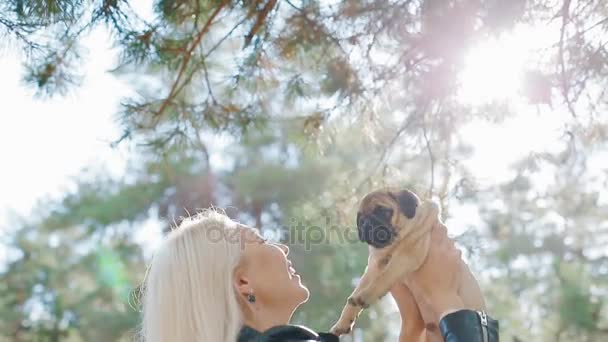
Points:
[(396, 225)]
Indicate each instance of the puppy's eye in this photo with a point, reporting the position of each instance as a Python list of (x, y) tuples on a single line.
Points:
[(383, 213)]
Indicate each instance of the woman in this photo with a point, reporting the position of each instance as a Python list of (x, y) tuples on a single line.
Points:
[(213, 279)]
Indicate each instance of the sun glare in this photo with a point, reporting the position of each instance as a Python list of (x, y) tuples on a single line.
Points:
[(494, 68)]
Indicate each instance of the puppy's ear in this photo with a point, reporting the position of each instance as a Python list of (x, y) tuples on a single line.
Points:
[(408, 202), (360, 226)]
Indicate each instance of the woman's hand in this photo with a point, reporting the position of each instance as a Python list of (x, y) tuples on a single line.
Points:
[(436, 282), (469, 290)]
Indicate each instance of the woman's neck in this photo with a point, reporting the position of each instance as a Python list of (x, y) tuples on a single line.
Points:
[(262, 319)]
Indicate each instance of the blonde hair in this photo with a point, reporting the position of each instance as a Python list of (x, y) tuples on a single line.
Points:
[(188, 292)]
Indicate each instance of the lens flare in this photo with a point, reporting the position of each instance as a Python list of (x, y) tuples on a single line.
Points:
[(494, 69)]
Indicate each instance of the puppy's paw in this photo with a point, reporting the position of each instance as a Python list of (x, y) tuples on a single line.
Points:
[(358, 301), (341, 328)]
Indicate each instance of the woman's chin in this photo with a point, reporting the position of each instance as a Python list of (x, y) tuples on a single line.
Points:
[(305, 295), (303, 290)]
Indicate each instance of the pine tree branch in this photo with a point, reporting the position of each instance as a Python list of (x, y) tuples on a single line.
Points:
[(209, 88), (199, 37), (219, 42), (431, 157), (406, 123), (13, 28), (599, 23), (564, 79), (260, 20), (317, 25)]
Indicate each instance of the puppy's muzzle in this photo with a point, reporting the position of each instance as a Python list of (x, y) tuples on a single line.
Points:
[(375, 227)]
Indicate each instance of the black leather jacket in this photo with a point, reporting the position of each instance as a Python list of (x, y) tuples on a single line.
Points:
[(459, 326), (284, 333), (469, 326)]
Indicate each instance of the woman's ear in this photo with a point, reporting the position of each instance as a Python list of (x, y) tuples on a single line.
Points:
[(242, 282)]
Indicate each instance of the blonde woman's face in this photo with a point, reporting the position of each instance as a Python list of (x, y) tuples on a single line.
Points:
[(269, 272)]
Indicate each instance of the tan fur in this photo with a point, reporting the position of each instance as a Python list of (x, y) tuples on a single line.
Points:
[(389, 265)]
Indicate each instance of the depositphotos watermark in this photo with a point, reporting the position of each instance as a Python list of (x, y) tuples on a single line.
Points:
[(297, 232), (308, 235)]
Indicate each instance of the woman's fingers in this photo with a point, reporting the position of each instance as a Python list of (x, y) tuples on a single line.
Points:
[(442, 230), (443, 244), (435, 234), (469, 289)]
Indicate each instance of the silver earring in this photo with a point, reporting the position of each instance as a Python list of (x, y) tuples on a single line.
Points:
[(251, 297)]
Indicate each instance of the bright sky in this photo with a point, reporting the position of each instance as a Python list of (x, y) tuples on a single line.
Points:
[(44, 143), (494, 68)]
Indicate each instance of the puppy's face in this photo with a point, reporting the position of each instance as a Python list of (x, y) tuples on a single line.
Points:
[(383, 214)]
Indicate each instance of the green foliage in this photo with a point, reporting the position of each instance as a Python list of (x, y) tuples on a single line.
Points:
[(576, 305)]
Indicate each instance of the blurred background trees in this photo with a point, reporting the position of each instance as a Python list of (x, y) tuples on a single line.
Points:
[(287, 112)]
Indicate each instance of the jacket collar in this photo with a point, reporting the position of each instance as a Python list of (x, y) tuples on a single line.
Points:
[(278, 333), (248, 334)]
